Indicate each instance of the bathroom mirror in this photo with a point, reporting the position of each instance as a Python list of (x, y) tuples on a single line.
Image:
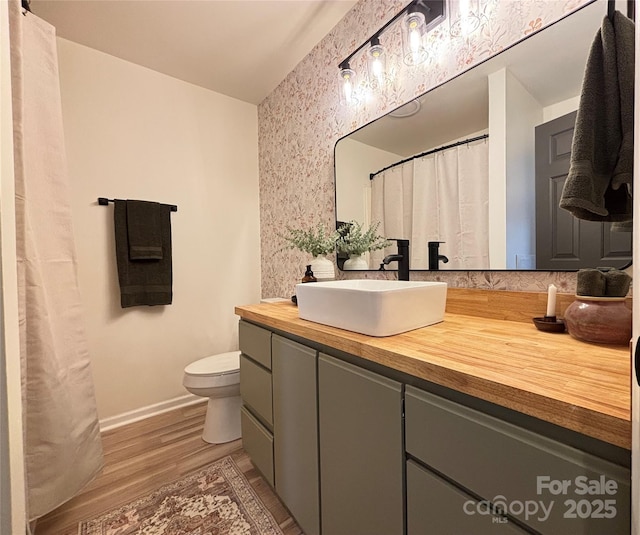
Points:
[(526, 92)]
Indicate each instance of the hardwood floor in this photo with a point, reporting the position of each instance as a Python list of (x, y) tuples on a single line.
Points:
[(145, 455)]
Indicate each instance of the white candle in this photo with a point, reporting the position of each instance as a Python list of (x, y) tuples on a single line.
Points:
[(551, 300)]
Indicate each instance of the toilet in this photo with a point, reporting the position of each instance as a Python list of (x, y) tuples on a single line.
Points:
[(218, 378)]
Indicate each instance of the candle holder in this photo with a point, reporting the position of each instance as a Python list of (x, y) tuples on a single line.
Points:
[(549, 324)]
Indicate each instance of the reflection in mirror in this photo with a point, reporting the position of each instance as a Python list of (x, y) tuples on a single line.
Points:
[(493, 148)]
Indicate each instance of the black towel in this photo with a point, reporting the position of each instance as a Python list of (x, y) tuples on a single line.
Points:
[(598, 187), (144, 230), (143, 282)]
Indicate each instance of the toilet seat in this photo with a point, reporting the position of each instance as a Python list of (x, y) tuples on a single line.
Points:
[(221, 364)]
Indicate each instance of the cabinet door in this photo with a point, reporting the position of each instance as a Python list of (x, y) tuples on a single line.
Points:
[(361, 454), (435, 506), (295, 431)]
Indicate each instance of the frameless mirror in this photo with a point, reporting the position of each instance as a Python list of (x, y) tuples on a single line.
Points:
[(473, 169)]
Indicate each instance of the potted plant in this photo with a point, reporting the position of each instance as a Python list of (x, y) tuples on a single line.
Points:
[(355, 241), (318, 242)]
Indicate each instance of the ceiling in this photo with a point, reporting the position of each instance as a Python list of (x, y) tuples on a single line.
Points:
[(240, 48)]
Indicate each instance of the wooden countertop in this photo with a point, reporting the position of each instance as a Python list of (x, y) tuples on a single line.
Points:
[(554, 377)]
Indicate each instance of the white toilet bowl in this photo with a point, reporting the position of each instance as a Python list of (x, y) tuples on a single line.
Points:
[(218, 378)]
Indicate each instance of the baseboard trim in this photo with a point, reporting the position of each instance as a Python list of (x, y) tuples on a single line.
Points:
[(107, 424)]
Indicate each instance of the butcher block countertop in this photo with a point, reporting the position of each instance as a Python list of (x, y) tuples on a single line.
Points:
[(554, 377)]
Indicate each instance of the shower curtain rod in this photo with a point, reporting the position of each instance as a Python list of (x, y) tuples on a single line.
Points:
[(103, 201), (432, 151)]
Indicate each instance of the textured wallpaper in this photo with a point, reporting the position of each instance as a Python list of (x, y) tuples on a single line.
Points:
[(300, 122)]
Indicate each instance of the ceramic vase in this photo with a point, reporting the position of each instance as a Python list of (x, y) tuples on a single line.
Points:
[(602, 320), (356, 262), (323, 269)]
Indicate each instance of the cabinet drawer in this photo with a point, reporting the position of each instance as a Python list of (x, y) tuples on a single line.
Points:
[(258, 443), (493, 458), (255, 342), (436, 506), (255, 389)]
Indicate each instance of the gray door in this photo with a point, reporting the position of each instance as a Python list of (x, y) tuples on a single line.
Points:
[(295, 431), (563, 241), (361, 453)]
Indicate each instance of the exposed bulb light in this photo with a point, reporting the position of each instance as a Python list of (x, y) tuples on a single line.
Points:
[(464, 17), (414, 21), (415, 29), (347, 75), (377, 64)]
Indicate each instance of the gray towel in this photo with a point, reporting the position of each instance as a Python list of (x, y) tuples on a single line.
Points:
[(591, 282), (602, 151), (143, 282), (144, 230)]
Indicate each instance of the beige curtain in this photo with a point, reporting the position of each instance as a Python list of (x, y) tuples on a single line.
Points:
[(439, 197), (63, 450)]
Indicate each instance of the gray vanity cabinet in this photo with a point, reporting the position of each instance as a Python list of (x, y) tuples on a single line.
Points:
[(361, 453), (548, 486), (295, 431), (330, 437)]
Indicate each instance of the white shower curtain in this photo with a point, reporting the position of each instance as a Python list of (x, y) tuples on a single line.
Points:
[(439, 197), (63, 449)]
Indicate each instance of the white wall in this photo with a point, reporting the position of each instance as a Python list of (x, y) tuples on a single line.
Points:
[(549, 113), (523, 114), (356, 162), (513, 115), (134, 133), (497, 170)]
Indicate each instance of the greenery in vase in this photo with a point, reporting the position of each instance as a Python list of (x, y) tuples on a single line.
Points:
[(316, 240), (355, 240)]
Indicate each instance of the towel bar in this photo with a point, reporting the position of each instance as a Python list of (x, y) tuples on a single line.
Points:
[(103, 201)]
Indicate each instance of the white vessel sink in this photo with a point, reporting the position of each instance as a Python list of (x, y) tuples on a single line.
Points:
[(373, 307)]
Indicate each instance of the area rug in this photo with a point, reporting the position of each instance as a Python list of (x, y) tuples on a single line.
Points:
[(215, 501)]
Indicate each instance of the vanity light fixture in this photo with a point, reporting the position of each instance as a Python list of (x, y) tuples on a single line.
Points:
[(464, 17), (421, 16)]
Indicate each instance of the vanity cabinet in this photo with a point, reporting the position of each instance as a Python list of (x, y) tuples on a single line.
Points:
[(354, 448), (543, 484), (361, 453), (295, 431)]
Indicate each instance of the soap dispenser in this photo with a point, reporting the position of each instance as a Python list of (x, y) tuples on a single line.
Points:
[(308, 275)]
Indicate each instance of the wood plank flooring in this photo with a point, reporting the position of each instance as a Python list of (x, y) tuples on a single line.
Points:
[(145, 455)]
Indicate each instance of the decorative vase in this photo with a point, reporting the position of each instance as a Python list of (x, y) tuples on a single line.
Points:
[(323, 268), (356, 262), (603, 320)]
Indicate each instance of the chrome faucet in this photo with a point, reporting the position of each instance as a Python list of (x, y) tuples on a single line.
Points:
[(434, 256), (402, 258)]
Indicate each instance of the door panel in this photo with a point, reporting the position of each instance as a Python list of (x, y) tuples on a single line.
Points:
[(563, 241)]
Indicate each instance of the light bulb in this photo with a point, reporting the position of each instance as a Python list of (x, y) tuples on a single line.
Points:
[(377, 67), (347, 76), (415, 28), (464, 17)]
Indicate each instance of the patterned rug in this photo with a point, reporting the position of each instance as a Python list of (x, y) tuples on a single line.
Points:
[(215, 501)]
